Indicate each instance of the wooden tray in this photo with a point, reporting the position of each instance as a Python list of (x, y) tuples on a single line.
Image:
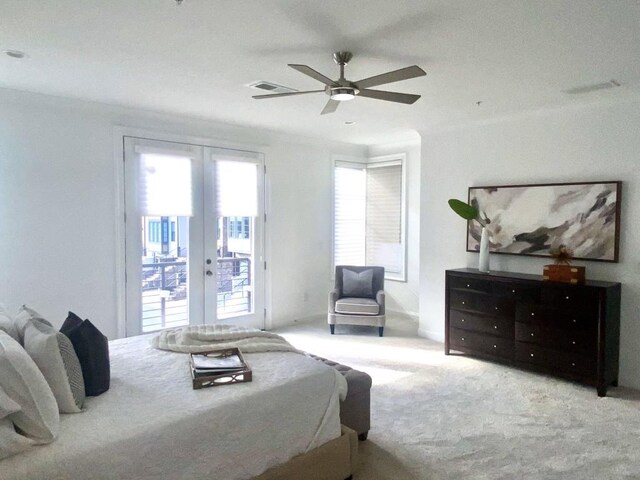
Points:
[(226, 378)]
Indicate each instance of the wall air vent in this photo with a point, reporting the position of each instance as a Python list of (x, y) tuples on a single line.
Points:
[(593, 88), (270, 87)]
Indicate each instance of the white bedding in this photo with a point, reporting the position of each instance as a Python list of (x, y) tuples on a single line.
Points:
[(151, 424)]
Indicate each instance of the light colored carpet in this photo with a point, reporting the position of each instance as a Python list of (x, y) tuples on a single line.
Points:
[(454, 417)]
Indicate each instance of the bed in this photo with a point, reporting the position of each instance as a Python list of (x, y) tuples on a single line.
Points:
[(151, 424)]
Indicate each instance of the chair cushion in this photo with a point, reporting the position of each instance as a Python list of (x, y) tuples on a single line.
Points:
[(357, 306), (357, 284)]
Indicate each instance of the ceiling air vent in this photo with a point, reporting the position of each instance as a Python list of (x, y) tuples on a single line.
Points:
[(270, 87), (592, 88)]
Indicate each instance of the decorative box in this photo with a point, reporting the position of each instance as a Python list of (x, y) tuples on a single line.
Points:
[(564, 273)]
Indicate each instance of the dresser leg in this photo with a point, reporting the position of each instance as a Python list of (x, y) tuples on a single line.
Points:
[(614, 383), (602, 391)]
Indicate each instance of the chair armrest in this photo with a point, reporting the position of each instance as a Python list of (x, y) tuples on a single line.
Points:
[(334, 295), (380, 299)]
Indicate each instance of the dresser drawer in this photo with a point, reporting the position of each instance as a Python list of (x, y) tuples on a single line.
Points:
[(517, 292), (481, 302), (571, 340), (574, 297), (470, 284), (464, 340), (568, 320), (568, 362), (500, 327)]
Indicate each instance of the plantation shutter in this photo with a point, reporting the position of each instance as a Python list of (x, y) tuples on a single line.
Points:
[(349, 214), (164, 185), (384, 242)]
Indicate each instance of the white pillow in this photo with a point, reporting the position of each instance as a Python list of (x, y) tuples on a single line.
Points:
[(23, 382), (7, 323), (11, 442), (57, 360), (23, 317)]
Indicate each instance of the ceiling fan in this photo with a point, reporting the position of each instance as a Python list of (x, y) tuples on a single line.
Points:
[(342, 89)]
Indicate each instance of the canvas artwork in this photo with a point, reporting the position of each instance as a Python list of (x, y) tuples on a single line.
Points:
[(532, 219)]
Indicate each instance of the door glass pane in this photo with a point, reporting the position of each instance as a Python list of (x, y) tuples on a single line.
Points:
[(234, 266), (165, 286), (236, 210)]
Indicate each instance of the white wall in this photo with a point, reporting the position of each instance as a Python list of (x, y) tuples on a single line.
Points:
[(597, 142), (58, 207), (403, 297)]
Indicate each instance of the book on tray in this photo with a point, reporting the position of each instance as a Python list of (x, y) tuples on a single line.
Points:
[(217, 365)]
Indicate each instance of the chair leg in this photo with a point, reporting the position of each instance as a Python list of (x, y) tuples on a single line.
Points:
[(332, 328), (380, 331)]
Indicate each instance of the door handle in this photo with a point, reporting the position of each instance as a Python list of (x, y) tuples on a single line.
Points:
[(209, 273)]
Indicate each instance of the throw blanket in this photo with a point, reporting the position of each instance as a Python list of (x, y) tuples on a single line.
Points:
[(200, 338)]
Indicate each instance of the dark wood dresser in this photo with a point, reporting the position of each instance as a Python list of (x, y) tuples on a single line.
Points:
[(571, 331)]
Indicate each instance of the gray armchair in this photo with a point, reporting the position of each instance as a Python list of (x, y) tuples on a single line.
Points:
[(358, 297)]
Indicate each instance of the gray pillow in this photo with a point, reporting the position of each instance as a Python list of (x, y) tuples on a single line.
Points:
[(7, 323), (11, 442), (22, 319), (54, 355), (22, 381), (356, 284)]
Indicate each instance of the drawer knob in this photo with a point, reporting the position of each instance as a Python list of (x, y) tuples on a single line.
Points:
[(532, 354), (495, 327), (468, 286), (573, 364), (532, 334), (575, 321), (567, 297), (462, 320), (495, 346), (573, 342), (533, 314), (462, 338), (513, 291), (496, 308), (463, 302)]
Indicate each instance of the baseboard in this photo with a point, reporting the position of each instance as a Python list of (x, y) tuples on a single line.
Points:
[(431, 335), (407, 315)]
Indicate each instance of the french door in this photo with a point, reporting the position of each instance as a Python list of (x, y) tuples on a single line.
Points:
[(194, 235)]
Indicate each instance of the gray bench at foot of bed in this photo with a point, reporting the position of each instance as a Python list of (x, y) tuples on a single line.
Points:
[(355, 410)]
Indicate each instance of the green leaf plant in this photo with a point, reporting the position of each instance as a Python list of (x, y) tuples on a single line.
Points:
[(468, 212)]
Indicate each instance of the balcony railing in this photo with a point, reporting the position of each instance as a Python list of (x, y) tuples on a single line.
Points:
[(165, 292)]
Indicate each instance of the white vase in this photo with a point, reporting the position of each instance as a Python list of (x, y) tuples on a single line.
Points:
[(483, 262)]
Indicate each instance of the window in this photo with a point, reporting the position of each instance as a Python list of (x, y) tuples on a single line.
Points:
[(369, 214), (154, 231)]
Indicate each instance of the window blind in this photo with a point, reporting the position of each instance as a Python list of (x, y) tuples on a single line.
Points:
[(164, 185), (236, 189), (349, 215), (384, 246)]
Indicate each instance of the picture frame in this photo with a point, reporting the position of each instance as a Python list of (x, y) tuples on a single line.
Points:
[(532, 219)]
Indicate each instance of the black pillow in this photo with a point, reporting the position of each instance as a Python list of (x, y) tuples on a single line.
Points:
[(92, 349)]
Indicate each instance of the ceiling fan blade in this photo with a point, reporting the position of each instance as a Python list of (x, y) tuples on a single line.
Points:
[(330, 107), (313, 74), (390, 77), (389, 96), (288, 94)]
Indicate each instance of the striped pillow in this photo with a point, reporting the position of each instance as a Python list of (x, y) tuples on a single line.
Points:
[(54, 355)]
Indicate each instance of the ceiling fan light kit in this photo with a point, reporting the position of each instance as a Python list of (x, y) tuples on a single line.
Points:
[(342, 90)]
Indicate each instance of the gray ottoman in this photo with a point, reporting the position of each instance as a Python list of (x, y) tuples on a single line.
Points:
[(355, 410)]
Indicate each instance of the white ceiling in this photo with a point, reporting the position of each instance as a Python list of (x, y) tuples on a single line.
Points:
[(196, 59)]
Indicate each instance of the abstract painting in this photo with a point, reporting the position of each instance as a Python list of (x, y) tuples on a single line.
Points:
[(532, 219)]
